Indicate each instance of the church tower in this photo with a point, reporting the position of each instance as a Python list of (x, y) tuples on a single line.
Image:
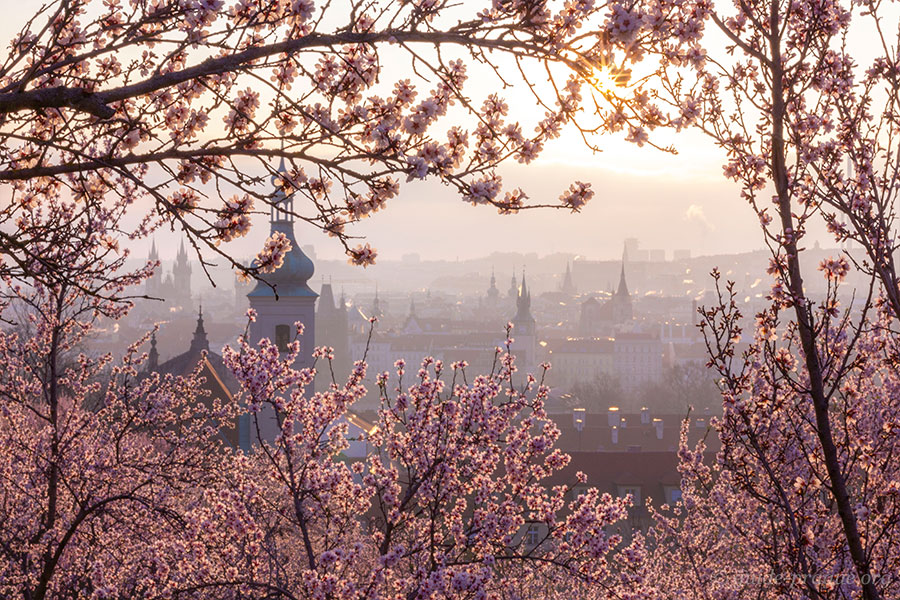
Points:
[(334, 330), (200, 341), (285, 296), (377, 310), (568, 285), (153, 285), (621, 300), (181, 274), (513, 287), (524, 335), (493, 294)]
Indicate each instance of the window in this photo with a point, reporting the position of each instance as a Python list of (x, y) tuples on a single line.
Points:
[(635, 492), (578, 490), (673, 494), (282, 337), (532, 536)]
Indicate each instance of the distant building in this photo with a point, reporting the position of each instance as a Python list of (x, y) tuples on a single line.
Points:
[(174, 288), (656, 255), (153, 285), (639, 359), (283, 299), (493, 294), (568, 285), (524, 331), (599, 318), (580, 360), (181, 275), (513, 288), (219, 381), (333, 329)]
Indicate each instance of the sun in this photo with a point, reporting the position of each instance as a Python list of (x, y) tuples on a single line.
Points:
[(607, 77)]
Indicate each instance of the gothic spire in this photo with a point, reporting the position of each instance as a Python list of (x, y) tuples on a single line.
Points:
[(376, 307), (153, 357), (326, 298), (200, 341), (623, 286), (568, 286), (523, 303)]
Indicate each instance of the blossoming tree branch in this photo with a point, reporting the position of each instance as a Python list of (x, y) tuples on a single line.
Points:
[(122, 117), (181, 109)]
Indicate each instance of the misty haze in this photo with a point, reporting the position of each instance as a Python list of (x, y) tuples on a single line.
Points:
[(506, 300)]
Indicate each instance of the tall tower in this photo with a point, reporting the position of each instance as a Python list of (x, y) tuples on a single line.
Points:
[(377, 311), (154, 283), (621, 301), (568, 286), (524, 335), (181, 273), (285, 297), (334, 331), (513, 287), (199, 342), (493, 294)]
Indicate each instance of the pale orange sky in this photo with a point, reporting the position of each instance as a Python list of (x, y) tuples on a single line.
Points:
[(666, 201)]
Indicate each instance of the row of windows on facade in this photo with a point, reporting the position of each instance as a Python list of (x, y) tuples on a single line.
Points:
[(534, 533)]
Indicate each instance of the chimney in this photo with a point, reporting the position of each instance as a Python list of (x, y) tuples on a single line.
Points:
[(645, 415), (612, 415), (658, 424), (615, 435), (578, 418)]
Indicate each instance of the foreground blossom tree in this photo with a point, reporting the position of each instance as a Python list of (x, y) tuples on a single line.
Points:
[(117, 482), (437, 509), (761, 521), (792, 106), (101, 463), (179, 110)]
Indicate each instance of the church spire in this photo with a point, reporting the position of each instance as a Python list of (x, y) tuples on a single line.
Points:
[(326, 298), (376, 306), (568, 286), (292, 278), (282, 204), (153, 356), (200, 341), (523, 303), (623, 286), (493, 292)]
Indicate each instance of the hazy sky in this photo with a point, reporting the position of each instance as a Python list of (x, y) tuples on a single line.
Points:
[(667, 201)]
